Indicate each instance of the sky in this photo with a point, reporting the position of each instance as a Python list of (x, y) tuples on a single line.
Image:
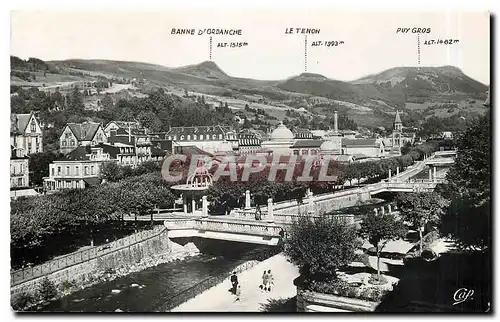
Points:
[(371, 43)]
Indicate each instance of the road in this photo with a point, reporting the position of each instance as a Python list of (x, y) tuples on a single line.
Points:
[(219, 299)]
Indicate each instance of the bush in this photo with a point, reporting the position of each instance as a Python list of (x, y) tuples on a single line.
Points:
[(341, 288), (362, 258), (47, 289), (21, 301), (334, 287), (353, 292), (110, 271), (429, 254), (65, 285), (377, 280), (373, 294)]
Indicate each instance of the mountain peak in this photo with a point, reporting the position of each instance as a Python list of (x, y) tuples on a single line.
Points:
[(310, 77), (209, 64), (206, 69)]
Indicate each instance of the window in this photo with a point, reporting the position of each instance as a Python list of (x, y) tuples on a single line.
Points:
[(21, 168), (194, 137), (189, 137), (220, 136), (214, 136), (169, 137), (67, 170), (201, 136), (72, 142), (92, 170), (182, 137), (175, 137), (67, 135), (58, 171), (52, 171), (33, 126), (64, 143), (20, 181), (77, 170), (86, 171)]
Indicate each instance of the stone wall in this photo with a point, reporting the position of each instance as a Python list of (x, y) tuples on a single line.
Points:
[(122, 261), (319, 302)]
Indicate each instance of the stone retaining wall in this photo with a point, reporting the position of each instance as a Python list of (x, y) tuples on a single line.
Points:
[(308, 301), (135, 257)]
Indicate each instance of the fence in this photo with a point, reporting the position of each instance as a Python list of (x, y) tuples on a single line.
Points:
[(29, 273), (201, 287)]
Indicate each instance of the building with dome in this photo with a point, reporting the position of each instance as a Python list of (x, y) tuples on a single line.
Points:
[(281, 141)]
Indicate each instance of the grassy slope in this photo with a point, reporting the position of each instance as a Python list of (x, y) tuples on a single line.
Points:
[(376, 96)]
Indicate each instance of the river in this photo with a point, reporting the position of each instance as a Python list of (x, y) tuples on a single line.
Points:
[(153, 286)]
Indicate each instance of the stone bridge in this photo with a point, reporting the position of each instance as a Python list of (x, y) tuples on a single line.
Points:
[(268, 231)]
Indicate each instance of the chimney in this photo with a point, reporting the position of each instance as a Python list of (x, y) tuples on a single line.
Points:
[(335, 122), (129, 133)]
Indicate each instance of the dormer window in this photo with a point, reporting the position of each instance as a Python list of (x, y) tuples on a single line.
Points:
[(201, 137), (189, 137), (220, 136), (33, 126), (194, 137), (214, 137), (182, 137)]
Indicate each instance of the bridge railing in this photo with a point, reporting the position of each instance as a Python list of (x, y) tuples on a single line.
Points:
[(290, 218), (235, 227), (59, 263), (181, 224)]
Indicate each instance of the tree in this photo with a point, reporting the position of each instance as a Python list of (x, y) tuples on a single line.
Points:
[(39, 166), (421, 208), (110, 171), (469, 188), (76, 101), (107, 101), (380, 229), (320, 247)]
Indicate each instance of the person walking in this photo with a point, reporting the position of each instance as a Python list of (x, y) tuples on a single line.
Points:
[(234, 282), (258, 213), (238, 293), (265, 281), (270, 278)]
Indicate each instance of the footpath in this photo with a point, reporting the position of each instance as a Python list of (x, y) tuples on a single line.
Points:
[(219, 299)]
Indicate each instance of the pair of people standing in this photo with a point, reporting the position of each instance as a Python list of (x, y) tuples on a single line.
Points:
[(267, 281)]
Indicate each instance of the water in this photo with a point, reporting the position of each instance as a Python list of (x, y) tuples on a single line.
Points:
[(155, 286)]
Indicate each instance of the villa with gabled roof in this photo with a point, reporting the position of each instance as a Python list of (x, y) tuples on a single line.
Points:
[(81, 134)]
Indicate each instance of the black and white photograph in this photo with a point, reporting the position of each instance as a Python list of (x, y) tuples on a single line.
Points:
[(272, 160)]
